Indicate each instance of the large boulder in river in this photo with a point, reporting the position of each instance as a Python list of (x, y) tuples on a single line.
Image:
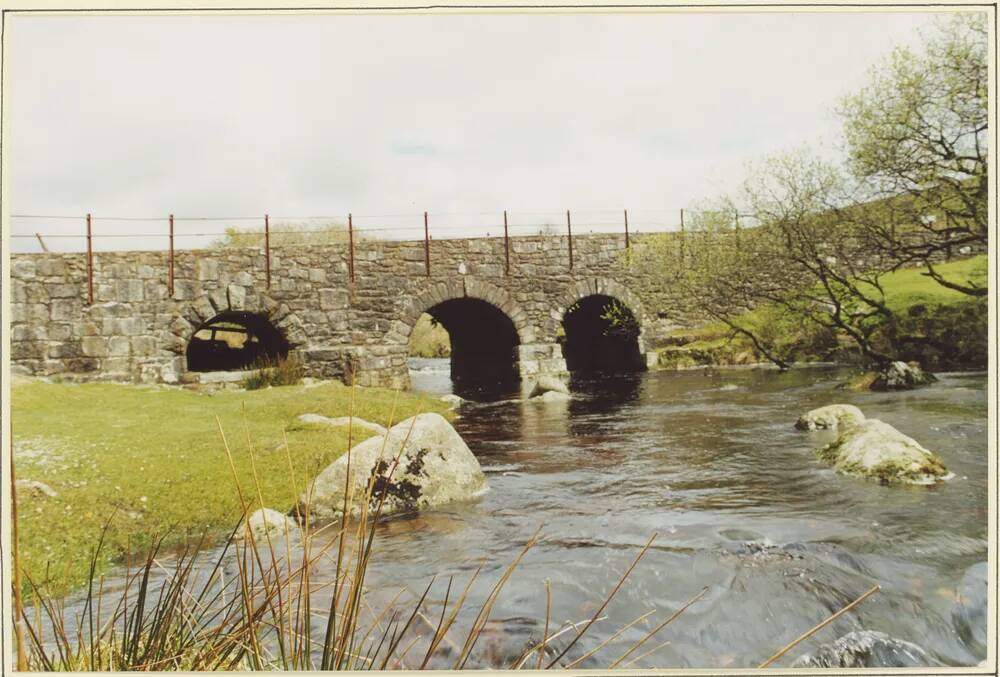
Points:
[(876, 450), (832, 416), (901, 376), (435, 467), (969, 612), (895, 376), (866, 649)]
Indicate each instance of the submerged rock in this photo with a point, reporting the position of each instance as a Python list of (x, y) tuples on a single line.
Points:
[(551, 396), (343, 421), (435, 467), (969, 612), (832, 416), (876, 450), (35, 488), (866, 649), (549, 384)]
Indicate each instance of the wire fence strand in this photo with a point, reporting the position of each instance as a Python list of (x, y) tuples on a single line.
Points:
[(32, 232)]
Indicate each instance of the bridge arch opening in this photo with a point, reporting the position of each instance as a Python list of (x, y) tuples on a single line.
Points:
[(235, 340), (600, 334), (482, 345)]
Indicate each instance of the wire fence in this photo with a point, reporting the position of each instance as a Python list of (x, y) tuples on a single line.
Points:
[(33, 233)]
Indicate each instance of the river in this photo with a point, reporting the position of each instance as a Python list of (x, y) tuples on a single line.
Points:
[(709, 462)]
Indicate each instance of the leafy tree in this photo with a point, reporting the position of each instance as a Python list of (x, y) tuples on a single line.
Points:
[(917, 137)]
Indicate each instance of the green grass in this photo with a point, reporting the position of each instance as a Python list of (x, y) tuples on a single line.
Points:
[(909, 287), (156, 455)]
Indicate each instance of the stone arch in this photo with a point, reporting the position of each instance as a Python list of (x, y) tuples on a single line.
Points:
[(450, 290), (599, 286), (233, 298)]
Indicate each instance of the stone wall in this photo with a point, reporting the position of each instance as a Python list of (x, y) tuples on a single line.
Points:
[(136, 330)]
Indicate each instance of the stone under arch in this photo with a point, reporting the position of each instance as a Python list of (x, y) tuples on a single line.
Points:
[(588, 341), (234, 300)]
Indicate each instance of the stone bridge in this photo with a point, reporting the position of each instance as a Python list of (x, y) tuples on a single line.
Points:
[(539, 318)]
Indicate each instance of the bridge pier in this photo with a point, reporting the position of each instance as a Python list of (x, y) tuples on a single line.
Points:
[(540, 361)]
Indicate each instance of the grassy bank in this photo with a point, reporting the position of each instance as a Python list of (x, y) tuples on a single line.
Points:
[(936, 326), (157, 457)]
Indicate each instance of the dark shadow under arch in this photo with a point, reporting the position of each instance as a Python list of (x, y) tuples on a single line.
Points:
[(601, 335), (484, 345), (234, 340)]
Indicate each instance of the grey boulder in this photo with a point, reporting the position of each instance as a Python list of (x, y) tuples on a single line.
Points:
[(434, 467), (875, 450), (830, 417)]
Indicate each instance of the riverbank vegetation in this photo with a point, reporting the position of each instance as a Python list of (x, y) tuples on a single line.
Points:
[(939, 327), (154, 458), (853, 258)]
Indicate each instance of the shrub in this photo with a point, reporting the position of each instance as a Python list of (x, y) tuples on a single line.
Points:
[(279, 371)]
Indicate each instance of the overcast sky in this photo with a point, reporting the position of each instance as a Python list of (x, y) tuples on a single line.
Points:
[(379, 114)]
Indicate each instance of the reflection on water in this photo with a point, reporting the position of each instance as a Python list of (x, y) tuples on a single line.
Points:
[(710, 462)]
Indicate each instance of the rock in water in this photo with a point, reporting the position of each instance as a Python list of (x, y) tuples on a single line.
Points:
[(453, 401), (832, 416), (866, 649), (266, 522), (876, 450), (549, 384), (969, 612), (901, 376), (551, 396), (435, 467)]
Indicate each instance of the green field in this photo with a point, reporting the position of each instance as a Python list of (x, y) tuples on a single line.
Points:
[(910, 286), (155, 458)]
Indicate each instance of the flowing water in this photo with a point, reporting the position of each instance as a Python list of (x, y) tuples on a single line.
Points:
[(709, 462)]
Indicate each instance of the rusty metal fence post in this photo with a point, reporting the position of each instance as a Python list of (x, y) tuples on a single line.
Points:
[(267, 249), (350, 246), (170, 258), (427, 246), (90, 263), (569, 233), (626, 229), (506, 245)]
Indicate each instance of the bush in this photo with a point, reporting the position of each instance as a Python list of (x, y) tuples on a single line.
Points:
[(280, 371), (941, 336)]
